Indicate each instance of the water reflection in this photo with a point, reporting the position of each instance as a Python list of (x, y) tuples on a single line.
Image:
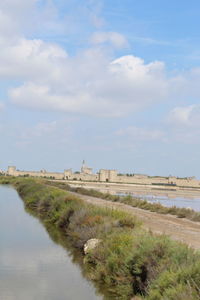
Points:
[(32, 266)]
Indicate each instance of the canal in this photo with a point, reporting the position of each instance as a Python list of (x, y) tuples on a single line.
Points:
[(32, 265)]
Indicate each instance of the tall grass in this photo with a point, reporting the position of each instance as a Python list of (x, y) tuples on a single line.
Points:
[(128, 261)]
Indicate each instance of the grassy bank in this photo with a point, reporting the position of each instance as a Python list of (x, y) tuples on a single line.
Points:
[(128, 261), (187, 213)]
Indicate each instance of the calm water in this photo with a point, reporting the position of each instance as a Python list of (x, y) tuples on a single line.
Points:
[(188, 202), (32, 266), (165, 198)]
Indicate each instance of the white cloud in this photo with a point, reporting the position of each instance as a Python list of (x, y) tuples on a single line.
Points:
[(17, 5), (185, 115), (21, 17), (15, 16), (114, 38), (34, 59), (184, 124), (8, 26), (180, 115), (88, 84)]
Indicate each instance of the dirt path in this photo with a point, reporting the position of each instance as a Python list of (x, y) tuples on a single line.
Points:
[(178, 229)]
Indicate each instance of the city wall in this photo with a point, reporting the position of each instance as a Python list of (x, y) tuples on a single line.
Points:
[(108, 176), (54, 175)]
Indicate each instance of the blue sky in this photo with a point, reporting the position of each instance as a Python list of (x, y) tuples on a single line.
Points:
[(116, 83)]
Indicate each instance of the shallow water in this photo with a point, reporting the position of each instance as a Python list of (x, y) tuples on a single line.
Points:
[(32, 265), (164, 197), (187, 202)]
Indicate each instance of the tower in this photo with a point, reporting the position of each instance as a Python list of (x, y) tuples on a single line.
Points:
[(83, 164), (11, 170), (85, 169)]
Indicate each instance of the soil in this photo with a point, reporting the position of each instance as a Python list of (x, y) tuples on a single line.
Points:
[(140, 189)]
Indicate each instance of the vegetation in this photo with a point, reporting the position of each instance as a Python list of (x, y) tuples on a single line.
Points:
[(135, 202), (159, 208), (128, 261)]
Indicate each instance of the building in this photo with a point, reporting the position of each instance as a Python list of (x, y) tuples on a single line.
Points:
[(105, 175), (85, 169)]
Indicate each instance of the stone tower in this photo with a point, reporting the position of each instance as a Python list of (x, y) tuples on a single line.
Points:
[(85, 169), (11, 170)]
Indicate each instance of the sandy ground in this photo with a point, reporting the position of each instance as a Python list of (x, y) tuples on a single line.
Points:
[(182, 230), (115, 188)]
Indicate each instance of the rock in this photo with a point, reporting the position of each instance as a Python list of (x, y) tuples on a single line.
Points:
[(90, 245)]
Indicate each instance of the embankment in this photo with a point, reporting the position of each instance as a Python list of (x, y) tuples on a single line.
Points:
[(128, 261), (187, 213)]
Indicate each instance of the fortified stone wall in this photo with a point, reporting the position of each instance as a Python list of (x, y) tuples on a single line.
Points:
[(14, 172), (182, 182), (85, 177), (67, 175), (142, 180), (108, 176)]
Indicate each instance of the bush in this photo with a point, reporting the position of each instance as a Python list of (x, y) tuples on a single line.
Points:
[(135, 202), (129, 261)]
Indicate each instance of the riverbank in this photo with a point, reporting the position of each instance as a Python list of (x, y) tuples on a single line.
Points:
[(173, 221), (128, 261), (34, 258)]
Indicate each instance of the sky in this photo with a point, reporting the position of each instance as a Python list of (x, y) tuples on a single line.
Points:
[(115, 83)]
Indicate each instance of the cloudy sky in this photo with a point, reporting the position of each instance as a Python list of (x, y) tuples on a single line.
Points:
[(116, 83)]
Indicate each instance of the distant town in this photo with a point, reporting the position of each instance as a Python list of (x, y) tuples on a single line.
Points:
[(105, 175)]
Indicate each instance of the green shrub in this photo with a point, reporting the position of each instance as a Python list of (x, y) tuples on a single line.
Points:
[(129, 261)]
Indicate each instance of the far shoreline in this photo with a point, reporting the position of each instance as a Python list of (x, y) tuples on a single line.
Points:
[(140, 189)]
